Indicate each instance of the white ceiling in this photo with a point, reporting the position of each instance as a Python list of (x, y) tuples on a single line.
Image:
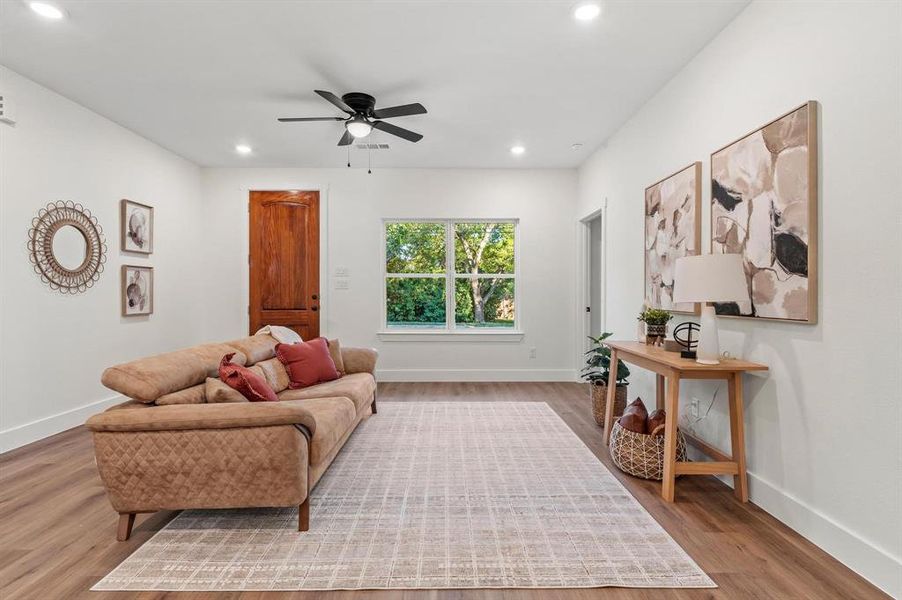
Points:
[(198, 77)]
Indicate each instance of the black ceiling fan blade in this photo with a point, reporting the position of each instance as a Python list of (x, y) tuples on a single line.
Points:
[(407, 134), (347, 139), (335, 100), (305, 119), (400, 111)]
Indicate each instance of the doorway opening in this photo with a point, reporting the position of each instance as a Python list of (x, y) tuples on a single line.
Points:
[(592, 278)]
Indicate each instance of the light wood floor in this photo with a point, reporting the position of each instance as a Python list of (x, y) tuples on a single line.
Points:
[(57, 534)]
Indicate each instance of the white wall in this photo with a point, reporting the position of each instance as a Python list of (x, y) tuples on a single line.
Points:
[(823, 427), (53, 348), (355, 205)]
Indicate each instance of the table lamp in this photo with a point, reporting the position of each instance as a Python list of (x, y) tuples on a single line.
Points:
[(709, 278)]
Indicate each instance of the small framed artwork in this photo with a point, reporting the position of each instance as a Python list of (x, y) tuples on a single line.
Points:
[(137, 227), (764, 207), (672, 231), (137, 290)]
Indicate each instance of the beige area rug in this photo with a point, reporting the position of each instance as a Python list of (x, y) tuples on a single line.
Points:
[(431, 495)]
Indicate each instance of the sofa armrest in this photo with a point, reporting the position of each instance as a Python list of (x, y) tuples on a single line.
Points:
[(359, 360), (204, 416)]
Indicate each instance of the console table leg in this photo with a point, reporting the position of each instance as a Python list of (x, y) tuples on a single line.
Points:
[(670, 437), (609, 404), (737, 435), (659, 392)]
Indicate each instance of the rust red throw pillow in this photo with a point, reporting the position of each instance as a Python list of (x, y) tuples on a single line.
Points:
[(634, 417), (307, 363), (655, 419), (252, 386)]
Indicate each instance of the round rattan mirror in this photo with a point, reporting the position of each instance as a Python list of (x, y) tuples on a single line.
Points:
[(66, 247)]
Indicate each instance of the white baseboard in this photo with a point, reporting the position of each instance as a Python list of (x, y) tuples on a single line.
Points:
[(18, 436), (476, 375), (862, 556)]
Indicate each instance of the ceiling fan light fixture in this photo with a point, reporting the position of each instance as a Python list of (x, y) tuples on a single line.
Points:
[(358, 127)]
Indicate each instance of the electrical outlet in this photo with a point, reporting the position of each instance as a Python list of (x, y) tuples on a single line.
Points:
[(532, 352)]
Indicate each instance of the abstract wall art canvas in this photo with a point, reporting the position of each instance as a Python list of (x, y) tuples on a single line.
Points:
[(672, 230), (137, 227), (137, 290), (764, 207)]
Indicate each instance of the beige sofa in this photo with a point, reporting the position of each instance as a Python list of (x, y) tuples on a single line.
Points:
[(168, 448)]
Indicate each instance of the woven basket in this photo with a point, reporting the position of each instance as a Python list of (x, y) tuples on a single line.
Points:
[(642, 455), (599, 392)]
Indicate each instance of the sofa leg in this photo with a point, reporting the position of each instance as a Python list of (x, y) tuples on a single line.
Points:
[(304, 515), (126, 521), (374, 403)]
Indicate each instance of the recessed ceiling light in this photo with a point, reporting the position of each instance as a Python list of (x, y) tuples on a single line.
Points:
[(46, 10), (576, 146), (243, 149), (586, 11), (517, 150)]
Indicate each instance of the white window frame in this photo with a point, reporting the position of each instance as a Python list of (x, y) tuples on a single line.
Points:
[(450, 329)]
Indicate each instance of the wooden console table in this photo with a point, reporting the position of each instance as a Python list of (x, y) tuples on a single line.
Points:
[(670, 369)]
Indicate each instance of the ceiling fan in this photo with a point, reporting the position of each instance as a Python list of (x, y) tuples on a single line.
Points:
[(364, 116)]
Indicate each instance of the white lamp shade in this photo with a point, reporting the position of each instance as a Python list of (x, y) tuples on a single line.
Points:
[(710, 278)]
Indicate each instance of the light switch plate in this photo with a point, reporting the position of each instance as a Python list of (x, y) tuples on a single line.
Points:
[(341, 284), (6, 110), (341, 272)]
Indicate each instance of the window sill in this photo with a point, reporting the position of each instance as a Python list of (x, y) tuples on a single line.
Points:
[(394, 335)]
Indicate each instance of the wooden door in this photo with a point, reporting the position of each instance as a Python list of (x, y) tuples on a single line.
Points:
[(284, 261)]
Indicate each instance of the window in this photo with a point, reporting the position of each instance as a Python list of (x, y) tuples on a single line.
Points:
[(450, 275)]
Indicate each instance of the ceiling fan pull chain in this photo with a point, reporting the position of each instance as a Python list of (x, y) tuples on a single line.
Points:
[(349, 157), (369, 160)]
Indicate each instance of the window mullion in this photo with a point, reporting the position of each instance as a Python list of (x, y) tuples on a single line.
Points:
[(450, 299)]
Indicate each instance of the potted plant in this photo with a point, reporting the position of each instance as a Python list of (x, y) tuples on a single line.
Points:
[(598, 373), (655, 320)]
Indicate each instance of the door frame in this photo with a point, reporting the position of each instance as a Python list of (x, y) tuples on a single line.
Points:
[(276, 185), (583, 285)]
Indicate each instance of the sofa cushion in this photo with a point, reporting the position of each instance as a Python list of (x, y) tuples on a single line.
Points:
[(255, 347), (274, 372), (252, 386), (359, 360), (283, 334), (193, 395), (335, 353), (307, 363), (333, 417), (217, 391), (149, 378), (359, 387)]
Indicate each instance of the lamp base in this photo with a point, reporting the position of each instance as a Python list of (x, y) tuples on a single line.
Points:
[(708, 344)]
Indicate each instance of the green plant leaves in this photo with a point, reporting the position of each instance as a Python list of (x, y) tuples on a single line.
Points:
[(598, 363)]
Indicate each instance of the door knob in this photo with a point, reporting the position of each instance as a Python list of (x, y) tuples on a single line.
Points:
[(315, 297), (314, 308)]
